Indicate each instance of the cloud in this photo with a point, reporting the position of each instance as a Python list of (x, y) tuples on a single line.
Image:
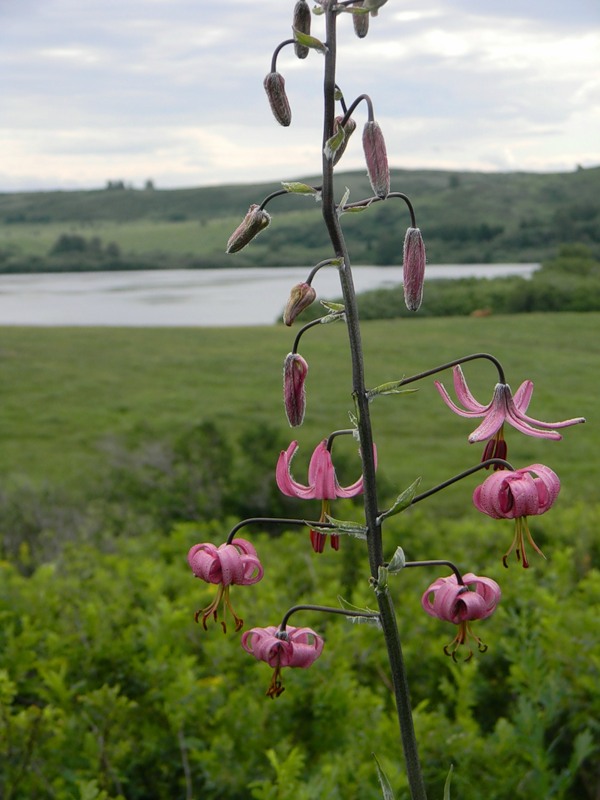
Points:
[(172, 89)]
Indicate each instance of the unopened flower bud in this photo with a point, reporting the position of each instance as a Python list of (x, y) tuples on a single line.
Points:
[(377, 160), (274, 85), (301, 23), (349, 129), (300, 298), (414, 268), (253, 223), (295, 370), (361, 22)]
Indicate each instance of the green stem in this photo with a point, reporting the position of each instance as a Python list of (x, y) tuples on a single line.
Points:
[(374, 538)]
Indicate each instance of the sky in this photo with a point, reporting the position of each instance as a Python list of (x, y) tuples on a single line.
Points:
[(171, 90)]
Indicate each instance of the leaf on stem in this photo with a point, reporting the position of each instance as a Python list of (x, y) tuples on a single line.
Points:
[(392, 387), (340, 526), (306, 40), (333, 144), (333, 308), (295, 187), (397, 562), (403, 500)]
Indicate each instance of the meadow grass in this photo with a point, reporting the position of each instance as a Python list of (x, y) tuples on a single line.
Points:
[(65, 390)]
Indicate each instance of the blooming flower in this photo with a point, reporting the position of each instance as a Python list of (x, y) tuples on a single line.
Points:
[(517, 495), (292, 647), (447, 599), (224, 565), (301, 296), (322, 485), (295, 370), (503, 407), (253, 223), (413, 268), (376, 158)]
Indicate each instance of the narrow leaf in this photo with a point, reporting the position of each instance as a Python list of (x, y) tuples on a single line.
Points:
[(392, 387), (332, 316), (403, 500), (307, 40), (386, 787), (397, 562), (348, 527), (333, 144), (340, 208), (335, 308), (448, 782), (299, 188)]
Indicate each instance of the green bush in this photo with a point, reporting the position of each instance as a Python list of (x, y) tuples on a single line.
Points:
[(108, 688)]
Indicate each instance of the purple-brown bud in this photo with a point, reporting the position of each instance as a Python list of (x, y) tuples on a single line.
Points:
[(414, 268), (301, 296), (377, 160), (253, 223), (274, 85), (361, 22), (301, 23), (295, 370), (349, 129)]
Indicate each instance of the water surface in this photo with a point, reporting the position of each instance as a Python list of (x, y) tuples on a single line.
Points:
[(199, 298)]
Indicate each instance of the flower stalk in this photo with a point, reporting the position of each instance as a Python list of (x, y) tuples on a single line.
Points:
[(374, 536)]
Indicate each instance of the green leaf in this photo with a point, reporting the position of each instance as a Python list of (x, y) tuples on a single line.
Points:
[(340, 208), (335, 308), (348, 527), (386, 787), (403, 500), (307, 40), (397, 562), (296, 187), (392, 387), (448, 781), (333, 144)]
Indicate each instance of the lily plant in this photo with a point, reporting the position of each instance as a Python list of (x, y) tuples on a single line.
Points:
[(508, 493)]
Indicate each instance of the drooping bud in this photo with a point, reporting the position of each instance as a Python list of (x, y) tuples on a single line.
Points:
[(253, 223), (301, 23), (349, 129), (295, 370), (360, 21), (377, 160), (301, 296), (414, 268), (274, 85)]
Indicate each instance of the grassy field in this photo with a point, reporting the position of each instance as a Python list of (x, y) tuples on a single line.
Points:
[(65, 390), (465, 217)]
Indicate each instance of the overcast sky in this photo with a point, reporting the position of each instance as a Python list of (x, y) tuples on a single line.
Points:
[(97, 90)]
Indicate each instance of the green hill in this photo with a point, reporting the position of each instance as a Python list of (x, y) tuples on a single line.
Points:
[(465, 217)]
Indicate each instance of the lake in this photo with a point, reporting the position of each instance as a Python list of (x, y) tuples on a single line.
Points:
[(197, 298)]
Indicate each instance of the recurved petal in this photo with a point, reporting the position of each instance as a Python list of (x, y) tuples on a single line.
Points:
[(307, 646), (522, 397), (284, 479), (463, 392)]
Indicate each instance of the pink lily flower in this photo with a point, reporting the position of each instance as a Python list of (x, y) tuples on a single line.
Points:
[(460, 604), (292, 647), (530, 491), (322, 485), (235, 563), (503, 407)]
